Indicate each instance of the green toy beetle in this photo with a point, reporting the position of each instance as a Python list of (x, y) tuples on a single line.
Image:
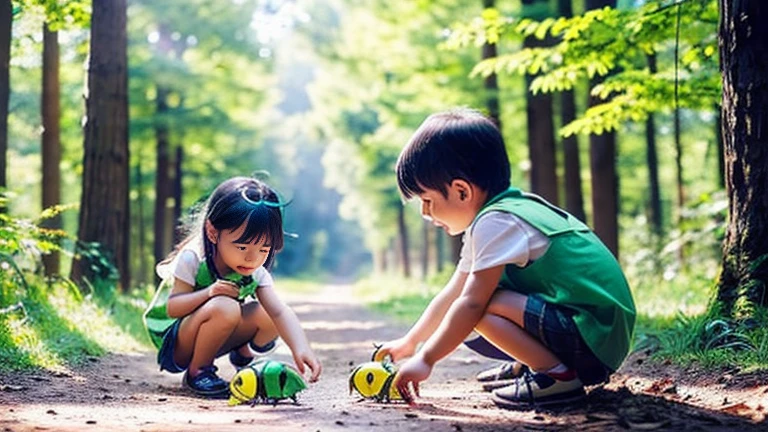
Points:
[(266, 381)]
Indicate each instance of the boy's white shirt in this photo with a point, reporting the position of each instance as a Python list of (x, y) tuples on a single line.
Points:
[(500, 238), (185, 264)]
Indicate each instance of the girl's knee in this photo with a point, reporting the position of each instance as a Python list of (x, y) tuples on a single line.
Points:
[(222, 309)]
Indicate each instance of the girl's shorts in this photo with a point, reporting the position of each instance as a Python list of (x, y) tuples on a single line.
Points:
[(165, 355), (553, 326)]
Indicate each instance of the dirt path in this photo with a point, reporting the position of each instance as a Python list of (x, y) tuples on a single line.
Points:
[(127, 393)]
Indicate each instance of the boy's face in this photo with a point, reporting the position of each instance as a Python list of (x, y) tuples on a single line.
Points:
[(453, 213)]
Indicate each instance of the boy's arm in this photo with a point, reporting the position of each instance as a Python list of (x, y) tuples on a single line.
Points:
[(289, 328), (463, 314)]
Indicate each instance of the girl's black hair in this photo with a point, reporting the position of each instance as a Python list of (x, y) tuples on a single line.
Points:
[(244, 200), (456, 144)]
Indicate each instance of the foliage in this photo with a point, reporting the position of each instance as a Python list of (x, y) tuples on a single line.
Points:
[(613, 43), (61, 14)]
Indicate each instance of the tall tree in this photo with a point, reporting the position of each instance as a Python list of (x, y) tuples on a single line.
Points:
[(51, 141), (602, 162), (743, 39), (6, 21), (541, 128), (574, 197), (104, 208), (653, 162)]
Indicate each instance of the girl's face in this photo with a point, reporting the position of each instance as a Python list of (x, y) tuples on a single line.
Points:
[(232, 256)]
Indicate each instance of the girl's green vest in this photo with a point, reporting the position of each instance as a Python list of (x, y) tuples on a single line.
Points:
[(577, 272), (156, 319)]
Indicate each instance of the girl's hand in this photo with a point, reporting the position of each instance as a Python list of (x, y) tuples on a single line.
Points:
[(308, 359), (413, 371), (397, 349), (225, 288)]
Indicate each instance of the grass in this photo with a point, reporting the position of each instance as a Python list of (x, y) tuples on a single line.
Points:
[(56, 329)]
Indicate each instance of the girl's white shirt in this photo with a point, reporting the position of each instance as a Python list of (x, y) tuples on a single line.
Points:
[(185, 264), (500, 238)]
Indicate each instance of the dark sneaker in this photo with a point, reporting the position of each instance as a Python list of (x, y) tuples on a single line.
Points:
[(265, 349), (238, 360), (540, 389), (502, 375), (207, 383)]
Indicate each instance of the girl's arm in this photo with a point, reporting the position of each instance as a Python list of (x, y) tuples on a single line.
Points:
[(290, 330), (184, 299)]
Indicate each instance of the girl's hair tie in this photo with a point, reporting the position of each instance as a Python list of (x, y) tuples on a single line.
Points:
[(260, 201)]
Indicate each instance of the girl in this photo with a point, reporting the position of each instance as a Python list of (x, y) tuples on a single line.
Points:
[(198, 313)]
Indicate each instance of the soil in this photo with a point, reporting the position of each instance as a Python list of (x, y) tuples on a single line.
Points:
[(126, 392)]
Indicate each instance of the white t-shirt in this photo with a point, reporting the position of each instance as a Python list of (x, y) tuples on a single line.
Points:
[(498, 238), (188, 262)]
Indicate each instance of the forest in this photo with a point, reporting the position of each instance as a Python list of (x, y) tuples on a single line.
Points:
[(642, 118)]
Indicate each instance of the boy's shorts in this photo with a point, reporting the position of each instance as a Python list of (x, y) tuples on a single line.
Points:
[(165, 355), (554, 327)]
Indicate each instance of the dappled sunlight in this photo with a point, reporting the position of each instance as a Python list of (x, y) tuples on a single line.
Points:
[(343, 325)]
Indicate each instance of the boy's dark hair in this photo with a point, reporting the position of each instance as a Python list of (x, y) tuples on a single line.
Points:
[(456, 144), (239, 200)]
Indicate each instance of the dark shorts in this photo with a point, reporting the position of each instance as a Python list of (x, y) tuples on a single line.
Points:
[(554, 327), (165, 355)]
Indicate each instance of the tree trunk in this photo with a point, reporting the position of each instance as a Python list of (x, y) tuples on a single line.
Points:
[(425, 229), (141, 232), (402, 229), (162, 175), (6, 22), (51, 145), (602, 163), (177, 194), (743, 38), (439, 249), (653, 163), (541, 128), (574, 196), (104, 209), (491, 82)]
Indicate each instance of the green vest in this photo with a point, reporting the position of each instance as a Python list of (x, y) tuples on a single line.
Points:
[(577, 272), (156, 319)]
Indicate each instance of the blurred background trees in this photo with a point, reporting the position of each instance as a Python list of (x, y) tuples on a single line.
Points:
[(609, 109)]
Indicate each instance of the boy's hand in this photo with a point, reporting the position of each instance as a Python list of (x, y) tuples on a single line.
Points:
[(225, 288), (310, 360), (397, 349), (413, 371)]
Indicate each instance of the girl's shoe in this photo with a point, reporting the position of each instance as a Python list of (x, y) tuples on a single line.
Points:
[(502, 375), (207, 383), (240, 361), (540, 390)]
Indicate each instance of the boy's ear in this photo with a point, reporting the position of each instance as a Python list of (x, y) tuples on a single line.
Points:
[(463, 189), (211, 232)]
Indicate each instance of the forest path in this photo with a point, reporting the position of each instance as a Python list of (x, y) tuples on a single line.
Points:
[(127, 393)]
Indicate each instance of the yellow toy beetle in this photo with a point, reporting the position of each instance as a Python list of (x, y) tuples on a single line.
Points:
[(373, 380), (267, 380)]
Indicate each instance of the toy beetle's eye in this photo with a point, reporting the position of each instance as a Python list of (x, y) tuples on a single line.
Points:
[(239, 381), (369, 378)]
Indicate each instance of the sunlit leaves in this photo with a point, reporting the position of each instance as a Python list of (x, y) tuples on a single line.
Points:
[(611, 42)]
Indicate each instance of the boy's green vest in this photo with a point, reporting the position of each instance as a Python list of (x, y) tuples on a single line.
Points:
[(156, 319), (577, 272)]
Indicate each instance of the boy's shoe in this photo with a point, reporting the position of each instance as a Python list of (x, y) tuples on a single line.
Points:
[(240, 361), (540, 390), (207, 383), (502, 375)]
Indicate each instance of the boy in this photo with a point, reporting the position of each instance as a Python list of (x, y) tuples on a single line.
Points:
[(532, 281)]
